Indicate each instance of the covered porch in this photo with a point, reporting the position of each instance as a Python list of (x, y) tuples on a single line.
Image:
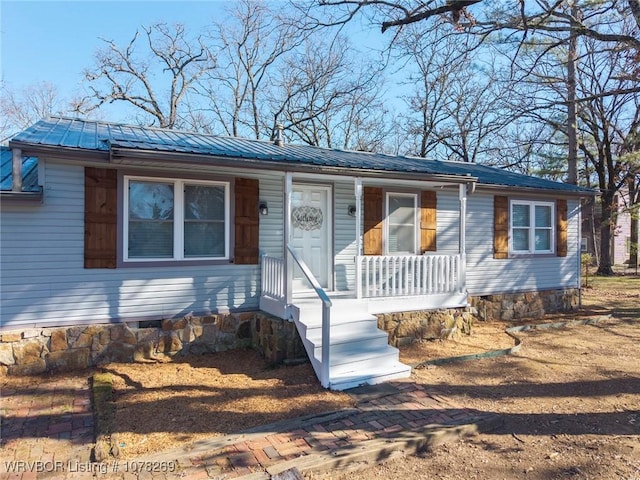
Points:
[(337, 324)]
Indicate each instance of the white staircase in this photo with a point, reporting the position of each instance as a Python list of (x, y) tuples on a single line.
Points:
[(359, 352)]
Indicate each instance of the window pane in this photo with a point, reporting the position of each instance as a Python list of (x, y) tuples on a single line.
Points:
[(520, 216), (204, 239), (150, 201), (204, 202), (543, 239), (150, 220), (401, 210), (521, 239), (401, 239), (543, 216), (402, 228), (204, 232), (150, 239)]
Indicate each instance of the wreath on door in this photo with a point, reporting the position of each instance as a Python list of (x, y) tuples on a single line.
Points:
[(307, 218)]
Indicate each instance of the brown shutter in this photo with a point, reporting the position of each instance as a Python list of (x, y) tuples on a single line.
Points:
[(500, 227), (428, 209), (100, 217), (372, 221), (247, 222), (561, 224)]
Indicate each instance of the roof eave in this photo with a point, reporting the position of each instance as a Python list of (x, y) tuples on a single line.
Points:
[(22, 198), (59, 152), (138, 157), (550, 191)]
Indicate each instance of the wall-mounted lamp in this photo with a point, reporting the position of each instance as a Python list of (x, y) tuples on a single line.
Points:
[(263, 208), (351, 210)]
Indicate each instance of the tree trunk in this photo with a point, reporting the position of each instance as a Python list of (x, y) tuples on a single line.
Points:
[(604, 266), (633, 248), (572, 171)]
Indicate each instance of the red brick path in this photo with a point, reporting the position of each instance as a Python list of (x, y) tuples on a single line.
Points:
[(46, 428), (48, 433)]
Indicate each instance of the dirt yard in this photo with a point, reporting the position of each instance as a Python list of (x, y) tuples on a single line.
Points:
[(160, 406), (570, 400), (165, 405)]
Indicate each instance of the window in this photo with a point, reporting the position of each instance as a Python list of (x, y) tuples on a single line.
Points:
[(401, 223), (175, 219), (532, 228)]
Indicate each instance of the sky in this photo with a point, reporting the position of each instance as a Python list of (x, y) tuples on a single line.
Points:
[(56, 41)]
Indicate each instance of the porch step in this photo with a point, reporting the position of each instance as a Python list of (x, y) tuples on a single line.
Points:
[(359, 352), (370, 376), (345, 331), (355, 360), (346, 343)]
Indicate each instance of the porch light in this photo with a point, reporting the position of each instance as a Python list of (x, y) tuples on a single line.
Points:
[(263, 208), (351, 210)]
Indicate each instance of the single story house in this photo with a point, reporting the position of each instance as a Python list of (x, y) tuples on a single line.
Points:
[(169, 238)]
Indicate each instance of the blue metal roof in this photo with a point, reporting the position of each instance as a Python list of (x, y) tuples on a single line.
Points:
[(101, 136), (29, 172)]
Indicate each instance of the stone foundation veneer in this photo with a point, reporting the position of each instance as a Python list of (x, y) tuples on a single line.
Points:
[(39, 350), (522, 306), (406, 327)]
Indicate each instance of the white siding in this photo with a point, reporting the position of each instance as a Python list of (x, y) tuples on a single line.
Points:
[(345, 236), (486, 275), (271, 225), (448, 222), (43, 280)]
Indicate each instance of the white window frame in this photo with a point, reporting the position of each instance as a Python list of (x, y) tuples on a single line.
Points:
[(532, 227), (416, 225), (178, 219)]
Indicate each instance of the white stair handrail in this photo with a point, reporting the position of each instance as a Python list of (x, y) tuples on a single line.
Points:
[(326, 315)]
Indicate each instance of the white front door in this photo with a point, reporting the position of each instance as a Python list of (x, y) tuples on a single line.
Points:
[(311, 233)]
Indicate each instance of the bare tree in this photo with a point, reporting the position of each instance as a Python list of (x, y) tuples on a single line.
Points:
[(388, 14), (454, 109), (609, 127), (154, 73), (514, 15), (329, 97), (558, 19), (250, 46), (21, 108)]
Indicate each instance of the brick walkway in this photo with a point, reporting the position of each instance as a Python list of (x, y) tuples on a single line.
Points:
[(399, 414), (53, 425)]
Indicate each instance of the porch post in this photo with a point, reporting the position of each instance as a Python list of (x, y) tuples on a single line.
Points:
[(288, 267), (358, 194), (462, 280), (16, 168)]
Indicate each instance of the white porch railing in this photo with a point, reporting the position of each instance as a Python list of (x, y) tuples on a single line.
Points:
[(273, 278), (405, 275)]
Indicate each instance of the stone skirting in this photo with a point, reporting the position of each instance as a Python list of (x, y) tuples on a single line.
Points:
[(406, 327), (39, 350), (514, 307)]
